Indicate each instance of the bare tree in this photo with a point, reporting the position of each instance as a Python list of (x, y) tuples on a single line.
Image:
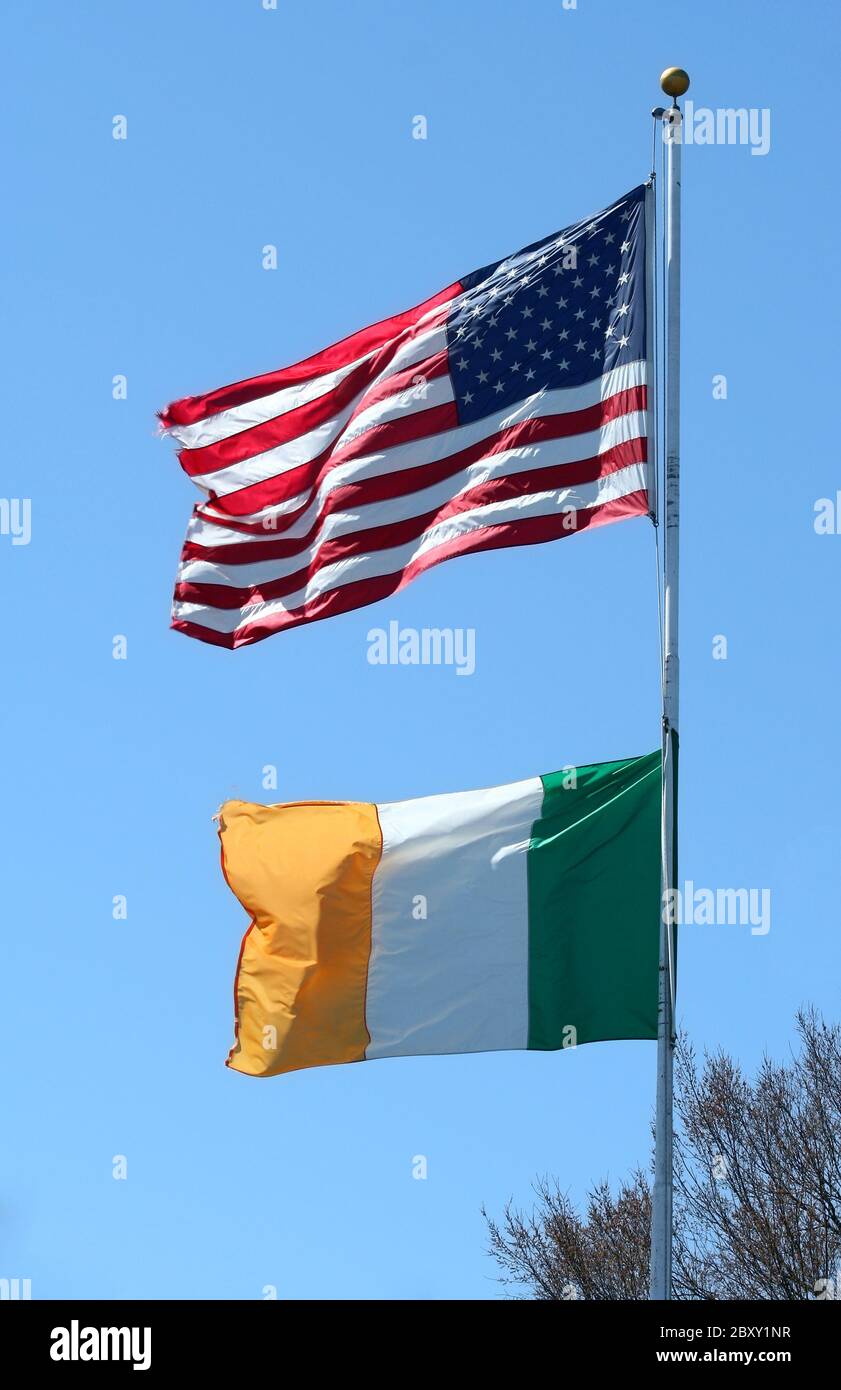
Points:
[(757, 1192)]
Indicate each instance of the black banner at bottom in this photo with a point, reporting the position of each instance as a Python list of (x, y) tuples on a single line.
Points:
[(240, 1338)]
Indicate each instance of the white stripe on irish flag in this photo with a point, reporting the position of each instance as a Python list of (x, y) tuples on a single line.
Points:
[(523, 916)]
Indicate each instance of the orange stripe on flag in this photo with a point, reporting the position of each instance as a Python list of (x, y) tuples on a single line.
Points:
[(303, 872)]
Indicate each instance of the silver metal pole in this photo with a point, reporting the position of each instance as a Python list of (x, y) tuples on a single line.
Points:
[(674, 82), (652, 362)]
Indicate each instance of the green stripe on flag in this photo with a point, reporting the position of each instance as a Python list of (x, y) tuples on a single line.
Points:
[(593, 869)]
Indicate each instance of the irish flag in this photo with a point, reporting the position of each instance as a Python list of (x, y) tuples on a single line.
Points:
[(522, 916)]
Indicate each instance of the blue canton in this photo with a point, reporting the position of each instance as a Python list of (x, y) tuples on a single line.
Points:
[(558, 313)]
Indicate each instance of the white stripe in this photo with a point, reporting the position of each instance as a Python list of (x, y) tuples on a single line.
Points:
[(401, 457), (562, 401), (569, 449), (258, 412), (214, 521), (337, 432), (610, 488), (421, 395), (508, 463), (453, 977), (244, 417), (421, 451)]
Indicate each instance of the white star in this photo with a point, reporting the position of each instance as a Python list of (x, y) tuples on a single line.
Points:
[(511, 334), (577, 283), (546, 325), (579, 313), (580, 345), (610, 270), (541, 260), (468, 397), (595, 292), (597, 323), (530, 374), (623, 278), (495, 355), (593, 260), (515, 366), (610, 330), (623, 341), (626, 246), (564, 365), (623, 309), (609, 238), (542, 292), (561, 303), (462, 364), (595, 353), (527, 311), (546, 355), (499, 388), (563, 334), (483, 376), (531, 345), (509, 299)]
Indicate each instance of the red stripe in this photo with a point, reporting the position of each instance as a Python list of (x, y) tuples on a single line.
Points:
[(279, 430), (191, 409), (531, 531), (388, 487), (376, 538), (307, 477), (401, 482)]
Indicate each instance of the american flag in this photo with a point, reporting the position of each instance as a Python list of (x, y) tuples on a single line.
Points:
[(507, 410)]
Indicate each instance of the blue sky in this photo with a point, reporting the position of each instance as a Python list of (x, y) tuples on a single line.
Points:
[(143, 257)]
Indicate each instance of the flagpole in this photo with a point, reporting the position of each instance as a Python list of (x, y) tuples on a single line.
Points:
[(674, 82)]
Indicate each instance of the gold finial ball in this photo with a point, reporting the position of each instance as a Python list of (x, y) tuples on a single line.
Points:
[(674, 81)]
